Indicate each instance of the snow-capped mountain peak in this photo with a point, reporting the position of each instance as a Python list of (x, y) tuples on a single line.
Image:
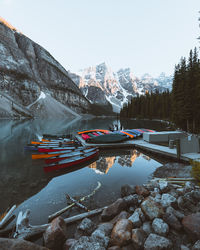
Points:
[(101, 84)]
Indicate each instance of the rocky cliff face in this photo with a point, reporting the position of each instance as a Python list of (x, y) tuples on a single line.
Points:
[(26, 71), (118, 87)]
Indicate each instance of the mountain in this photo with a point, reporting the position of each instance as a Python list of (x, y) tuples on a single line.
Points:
[(102, 85), (32, 82)]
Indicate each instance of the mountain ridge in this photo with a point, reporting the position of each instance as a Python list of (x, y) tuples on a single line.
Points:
[(117, 88)]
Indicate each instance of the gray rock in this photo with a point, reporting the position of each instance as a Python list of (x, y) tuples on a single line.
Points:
[(189, 186), (112, 210), (86, 226), (191, 225), (19, 244), (88, 243), (172, 221), (183, 247), (147, 227), (195, 195), (160, 227), (156, 242), (178, 214), (151, 209), (164, 187), (180, 191), (127, 190), (196, 246), (69, 243), (135, 218), (167, 200), (132, 199), (106, 228), (138, 238)]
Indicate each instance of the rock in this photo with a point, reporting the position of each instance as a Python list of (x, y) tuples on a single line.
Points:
[(127, 190), (183, 247), (156, 242), (137, 218), (100, 237), (114, 248), (195, 195), (88, 243), (184, 203), (178, 214), (132, 199), (160, 227), (196, 246), (69, 243), (140, 190), (138, 238), (172, 221), (122, 215), (180, 191), (106, 228), (147, 227), (19, 244), (86, 227), (167, 200), (189, 186), (112, 210), (191, 225), (157, 198), (121, 233), (151, 209), (128, 247), (55, 234), (164, 186)]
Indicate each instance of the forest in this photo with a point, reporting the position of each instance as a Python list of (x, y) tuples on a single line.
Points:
[(180, 106)]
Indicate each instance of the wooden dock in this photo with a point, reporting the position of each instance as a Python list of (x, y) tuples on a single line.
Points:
[(163, 151)]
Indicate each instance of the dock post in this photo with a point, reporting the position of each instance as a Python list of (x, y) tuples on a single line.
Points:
[(178, 149)]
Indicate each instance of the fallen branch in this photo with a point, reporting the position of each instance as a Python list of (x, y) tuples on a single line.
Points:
[(77, 203), (26, 231), (7, 217), (56, 214)]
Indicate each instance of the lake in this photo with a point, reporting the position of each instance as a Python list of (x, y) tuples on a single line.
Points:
[(24, 183)]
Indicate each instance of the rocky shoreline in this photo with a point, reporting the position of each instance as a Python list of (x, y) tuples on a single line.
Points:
[(154, 216)]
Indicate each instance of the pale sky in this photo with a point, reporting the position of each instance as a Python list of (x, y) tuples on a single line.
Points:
[(148, 36)]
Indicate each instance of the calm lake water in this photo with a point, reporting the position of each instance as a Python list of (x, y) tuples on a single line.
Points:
[(23, 181)]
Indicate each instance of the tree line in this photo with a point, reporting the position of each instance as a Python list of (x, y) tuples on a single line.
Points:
[(181, 105)]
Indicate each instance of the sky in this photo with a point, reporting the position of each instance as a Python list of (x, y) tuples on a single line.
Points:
[(148, 36)]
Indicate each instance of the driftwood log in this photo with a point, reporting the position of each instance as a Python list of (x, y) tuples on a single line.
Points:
[(56, 214), (7, 218), (26, 231), (77, 203)]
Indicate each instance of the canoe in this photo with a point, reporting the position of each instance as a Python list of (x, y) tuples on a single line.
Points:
[(135, 133), (148, 130), (69, 155), (52, 154), (108, 138), (94, 130), (73, 161), (54, 149)]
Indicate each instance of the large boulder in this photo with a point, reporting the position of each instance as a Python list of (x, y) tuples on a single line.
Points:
[(112, 210), (191, 224), (138, 238), (19, 244), (152, 209), (156, 242), (127, 190), (121, 233), (88, 243), (160, 227), (55, 234), (140, 190)]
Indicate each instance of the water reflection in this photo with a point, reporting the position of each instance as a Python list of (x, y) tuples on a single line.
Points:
[(22, 179)]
